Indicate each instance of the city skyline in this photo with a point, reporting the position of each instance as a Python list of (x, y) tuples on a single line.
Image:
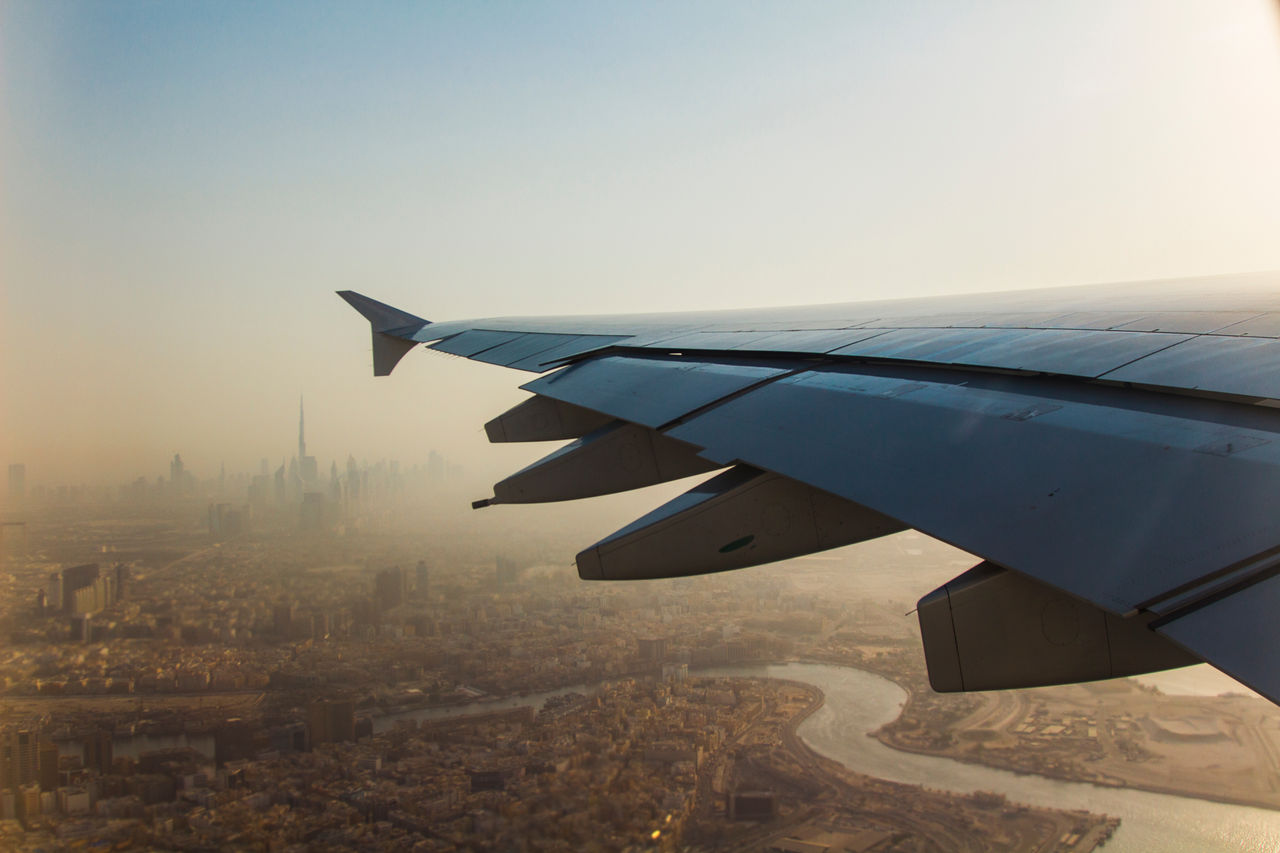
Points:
[(181, 481)]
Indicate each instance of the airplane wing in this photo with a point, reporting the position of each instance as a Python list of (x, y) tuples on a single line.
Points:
[(1111, 453)]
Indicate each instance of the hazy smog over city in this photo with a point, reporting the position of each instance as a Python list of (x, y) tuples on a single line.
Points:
[(245, 602)]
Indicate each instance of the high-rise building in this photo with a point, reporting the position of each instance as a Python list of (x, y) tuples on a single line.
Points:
[(86, 590), (281, 495), (677, 672), (81, 625), (421, 579), (48, 765), (388, 588), (75, 579), (435, 467), (236, 740), (28, 803), (353, 477), (54, 590), (307, 468), (225, 521), (311, 514), (19, 757), (177, 475), (331, 721), (122, 580), (651, 649), (260, 492), (508, 570), (17, 482), (99, 751)]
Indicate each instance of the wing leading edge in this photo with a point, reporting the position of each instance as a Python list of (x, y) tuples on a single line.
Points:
[(1110, 452)]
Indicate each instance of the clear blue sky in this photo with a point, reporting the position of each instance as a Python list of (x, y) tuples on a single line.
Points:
[(184, 185)]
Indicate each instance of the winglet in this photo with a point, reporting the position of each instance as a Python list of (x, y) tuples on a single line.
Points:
[(381, 316), (393, 330)]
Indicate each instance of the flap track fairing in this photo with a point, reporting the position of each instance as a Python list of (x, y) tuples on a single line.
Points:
[(743, 517)]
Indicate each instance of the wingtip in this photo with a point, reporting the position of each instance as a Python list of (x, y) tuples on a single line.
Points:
[(383, 317), (393, 330)]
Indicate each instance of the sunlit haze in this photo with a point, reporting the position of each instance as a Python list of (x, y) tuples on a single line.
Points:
[(185, 185)]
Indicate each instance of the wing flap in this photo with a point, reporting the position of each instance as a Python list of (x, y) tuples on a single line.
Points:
[(1239, 634), (740, 518), (649, 391)]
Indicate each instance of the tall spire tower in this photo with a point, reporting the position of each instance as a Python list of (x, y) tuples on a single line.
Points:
[(307, 468)]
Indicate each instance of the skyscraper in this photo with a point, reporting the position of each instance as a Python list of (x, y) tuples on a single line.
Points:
[(307, 469), (331, 721), (388, 588), (422, 579), (54, 597), (17, 482), (176, 475), (122, 579), (279, 484), (75, 579), (19, 757), (98, 750)]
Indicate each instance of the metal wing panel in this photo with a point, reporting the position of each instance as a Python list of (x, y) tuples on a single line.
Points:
[(1096, 320), (815, 342), (799, 341), (649, 391), (1262, 326), (1189, 322), (1249, 367), (708, 340), (1112, 503), (942, 346), (1062, 351), (952, 320), (1028, 320)]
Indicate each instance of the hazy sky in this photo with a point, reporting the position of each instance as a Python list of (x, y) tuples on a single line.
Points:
[(185, 184)]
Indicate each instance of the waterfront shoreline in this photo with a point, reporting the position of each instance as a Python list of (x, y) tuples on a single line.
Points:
[(886, 738)]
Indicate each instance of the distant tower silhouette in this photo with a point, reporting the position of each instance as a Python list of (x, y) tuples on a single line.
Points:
[(177, 474), (308, 470), (17, 482)]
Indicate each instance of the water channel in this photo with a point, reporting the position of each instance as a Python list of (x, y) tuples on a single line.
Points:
[(859, 702)]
